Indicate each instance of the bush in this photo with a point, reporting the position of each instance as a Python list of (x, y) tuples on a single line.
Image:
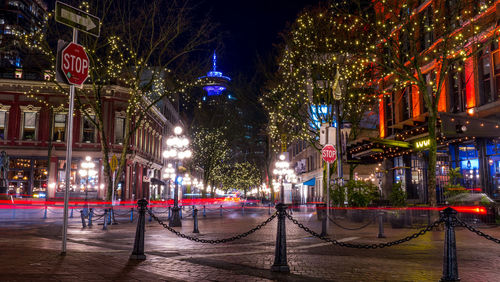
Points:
[(337, 195), (397, 198), (361, 193), (453, 188)]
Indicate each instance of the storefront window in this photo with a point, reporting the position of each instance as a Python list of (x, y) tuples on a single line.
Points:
[(82, 180), (19, 177), (28, 177), (61, 176), (493, 154), (469, 166), (40, 174)]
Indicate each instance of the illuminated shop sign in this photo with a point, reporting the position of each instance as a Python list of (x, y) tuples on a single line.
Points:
[(422, 144)]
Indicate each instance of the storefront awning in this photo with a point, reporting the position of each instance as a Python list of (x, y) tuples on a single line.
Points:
[(157, 181), (310, 182), (456, 126)]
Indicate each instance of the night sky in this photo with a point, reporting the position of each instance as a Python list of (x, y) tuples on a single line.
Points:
[(249, 28)]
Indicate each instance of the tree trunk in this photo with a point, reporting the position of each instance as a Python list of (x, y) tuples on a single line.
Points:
[(431, 172)]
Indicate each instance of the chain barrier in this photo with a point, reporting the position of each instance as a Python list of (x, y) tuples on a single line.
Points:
[(478, 232), (351, 229), (366, 246), (216, 241)]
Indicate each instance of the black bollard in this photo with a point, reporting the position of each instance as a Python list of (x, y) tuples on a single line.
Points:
[(195, 217), (450, 265), (113, 217), (150, 217), (131, 214), (45, 213), (91, 213), (243, 207), (105, 224), (324, 218), (83, 219), (220, 210), (269, 210), (381, 225), (180, 212), (138, 252), (71, 216), (204, 211), (280, 261), (168, 212), (109, 216)]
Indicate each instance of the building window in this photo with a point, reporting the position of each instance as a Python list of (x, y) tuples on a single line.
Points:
[(119, 129), (427, 33), (457, 90), (29, 125), (489, 74), (88, 133), (388, 112), (3, 125), (406, 104), (59, 127)]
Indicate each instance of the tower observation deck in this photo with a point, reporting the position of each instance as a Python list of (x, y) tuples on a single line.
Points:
[(214, 82)]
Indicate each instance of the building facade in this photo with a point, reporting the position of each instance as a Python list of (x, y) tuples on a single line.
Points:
[(33, 133), (468, 123)]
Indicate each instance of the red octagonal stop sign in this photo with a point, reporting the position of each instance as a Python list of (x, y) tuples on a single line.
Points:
[(329, 153), (75, 64)]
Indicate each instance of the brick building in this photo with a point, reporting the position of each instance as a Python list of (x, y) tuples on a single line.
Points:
[(33, 135), (469, 114)]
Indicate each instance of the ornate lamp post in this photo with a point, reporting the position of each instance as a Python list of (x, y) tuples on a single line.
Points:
[(282, 169), (177, 150)]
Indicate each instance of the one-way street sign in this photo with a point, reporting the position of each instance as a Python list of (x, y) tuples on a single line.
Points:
[(77, 18)]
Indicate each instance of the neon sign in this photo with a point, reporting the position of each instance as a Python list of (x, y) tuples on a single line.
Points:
[(422, 144)]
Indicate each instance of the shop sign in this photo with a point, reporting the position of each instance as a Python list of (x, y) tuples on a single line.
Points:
[(422, 144)]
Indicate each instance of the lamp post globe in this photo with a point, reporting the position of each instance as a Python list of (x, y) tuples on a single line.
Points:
[(177, 150)]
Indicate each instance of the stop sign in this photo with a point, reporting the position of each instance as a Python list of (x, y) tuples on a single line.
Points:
[(329, 153), (75, 64)]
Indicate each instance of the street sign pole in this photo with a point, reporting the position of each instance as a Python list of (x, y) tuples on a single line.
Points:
[(69, 151), (327, 185)]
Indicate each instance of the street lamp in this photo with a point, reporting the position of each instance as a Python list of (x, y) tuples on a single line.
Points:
[(177, 150), (87, 170), (282, 169)]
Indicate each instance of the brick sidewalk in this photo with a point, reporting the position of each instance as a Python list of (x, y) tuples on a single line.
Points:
[(30, 252)]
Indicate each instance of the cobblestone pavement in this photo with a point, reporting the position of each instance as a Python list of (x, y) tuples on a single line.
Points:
[(30, 251)]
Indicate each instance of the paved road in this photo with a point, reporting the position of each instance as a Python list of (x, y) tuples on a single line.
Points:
[(30, 252)]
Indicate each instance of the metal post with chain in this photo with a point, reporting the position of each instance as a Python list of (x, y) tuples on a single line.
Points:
[(280, 261), (91, 213), (450, 265), (83, 219), (195, 224), (138, 251)]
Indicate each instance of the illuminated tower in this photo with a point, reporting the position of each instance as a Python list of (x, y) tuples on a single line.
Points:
[(214, 82)]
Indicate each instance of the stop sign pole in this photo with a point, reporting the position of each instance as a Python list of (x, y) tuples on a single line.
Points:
[(69, 151), (329, 155)]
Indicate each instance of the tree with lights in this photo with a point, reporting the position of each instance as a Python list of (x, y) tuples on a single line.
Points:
[(244, 176), (414, 48), (316, 63), (211, 154), (145, 47)]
